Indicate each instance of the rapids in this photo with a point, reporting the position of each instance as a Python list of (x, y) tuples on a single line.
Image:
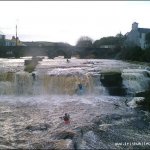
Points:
[(30, 109)]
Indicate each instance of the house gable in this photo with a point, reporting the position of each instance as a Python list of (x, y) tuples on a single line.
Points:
[(137, 36)]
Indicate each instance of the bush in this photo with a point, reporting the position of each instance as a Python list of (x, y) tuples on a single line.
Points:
[(134, 54), (146, 55)]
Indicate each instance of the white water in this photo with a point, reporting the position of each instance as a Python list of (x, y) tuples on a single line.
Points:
[(59, 77), (25, 101), (136, 80)]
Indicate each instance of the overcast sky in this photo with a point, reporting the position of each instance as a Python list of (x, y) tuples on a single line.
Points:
[(64, 21)]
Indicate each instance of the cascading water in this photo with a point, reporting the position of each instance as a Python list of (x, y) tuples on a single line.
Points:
[(136, 80), (55, 81), (23, 83), (31, 107)]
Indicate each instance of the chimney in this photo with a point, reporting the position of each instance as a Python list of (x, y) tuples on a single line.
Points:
[(134, 26)]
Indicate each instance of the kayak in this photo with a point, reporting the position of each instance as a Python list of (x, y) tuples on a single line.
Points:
[(67, 122)]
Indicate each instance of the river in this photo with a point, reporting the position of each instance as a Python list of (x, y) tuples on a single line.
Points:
[(103, 115)]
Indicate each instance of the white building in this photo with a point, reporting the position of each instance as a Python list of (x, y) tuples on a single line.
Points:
[(137, 36), (10, 43)]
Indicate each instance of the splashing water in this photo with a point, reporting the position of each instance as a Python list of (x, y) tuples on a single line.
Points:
[(30, 109)]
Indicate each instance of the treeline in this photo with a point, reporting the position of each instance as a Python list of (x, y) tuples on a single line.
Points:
[(118, 48), (111, 47), (134, 54)]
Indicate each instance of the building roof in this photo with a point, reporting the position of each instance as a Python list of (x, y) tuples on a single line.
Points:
[(1, 33), (143, 30), (9, 40), (134, 23)]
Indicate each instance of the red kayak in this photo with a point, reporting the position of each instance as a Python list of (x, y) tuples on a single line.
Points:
[(67, 122)]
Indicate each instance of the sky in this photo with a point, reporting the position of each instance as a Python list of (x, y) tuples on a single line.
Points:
[(67, 21)]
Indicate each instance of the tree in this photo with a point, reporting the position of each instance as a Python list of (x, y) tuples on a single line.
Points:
[(117, 41), (110, 40), (84, 41), (147, 38), (132, 53)]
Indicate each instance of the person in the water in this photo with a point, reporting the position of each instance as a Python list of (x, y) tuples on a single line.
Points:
[(80, 86), (80, 89), (66, 118), (68, 61), (33, 76)]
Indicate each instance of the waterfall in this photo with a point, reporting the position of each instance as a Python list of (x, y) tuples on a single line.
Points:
[(99, 89), (136, 80), (56, 84), (16, 83), (6, 79), (23, 83), (6, 88)]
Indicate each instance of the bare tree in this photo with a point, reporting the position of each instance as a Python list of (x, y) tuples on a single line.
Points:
[(84, 41)]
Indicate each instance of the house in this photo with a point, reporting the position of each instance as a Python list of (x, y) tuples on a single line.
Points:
[(2, 39), (137, 36), (9, 42), (13, 41)]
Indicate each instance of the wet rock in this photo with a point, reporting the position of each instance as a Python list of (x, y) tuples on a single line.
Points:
[(64, 144), (4, 141), (106, 118), (57, 144), (104, 127), (110, 79), (145, 102), (113, 82), (115, 116), (38, 127), (135, 102), (30, 65), (97, 120), (86, 128), (65, 135), (142, 94), (2, 119), (6, 147), (37, 145), (116, 105), (91, 140)]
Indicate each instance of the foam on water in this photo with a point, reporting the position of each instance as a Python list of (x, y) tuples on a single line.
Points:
[(43, 101), (136, 80)]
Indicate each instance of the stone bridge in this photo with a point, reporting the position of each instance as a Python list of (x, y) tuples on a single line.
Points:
[(52, 51)]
